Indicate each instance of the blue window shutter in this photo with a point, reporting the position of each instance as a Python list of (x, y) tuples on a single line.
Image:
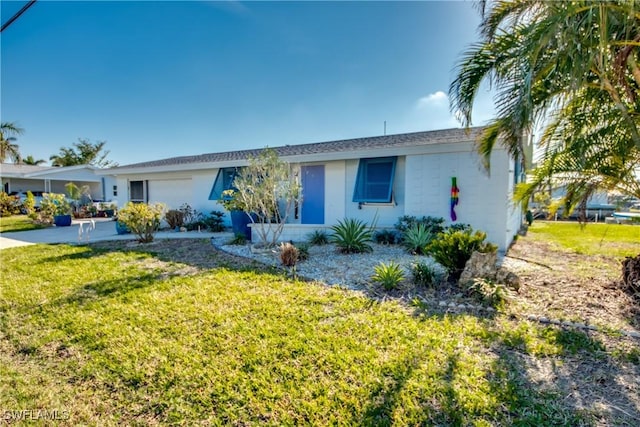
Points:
[(224, 181), (374, 183)]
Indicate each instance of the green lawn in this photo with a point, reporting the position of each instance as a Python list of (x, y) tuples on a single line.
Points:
[(17, 223), (122, 337), (593, 239)]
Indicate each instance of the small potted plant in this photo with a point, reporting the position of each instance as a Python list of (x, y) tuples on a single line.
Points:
[(240, 219)]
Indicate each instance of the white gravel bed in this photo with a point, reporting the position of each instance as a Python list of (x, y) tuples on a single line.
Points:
[(326, 264)]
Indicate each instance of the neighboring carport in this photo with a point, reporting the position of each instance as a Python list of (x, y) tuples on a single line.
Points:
[(48, 179)]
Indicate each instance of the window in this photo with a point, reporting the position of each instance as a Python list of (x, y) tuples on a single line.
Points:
[(224, 181), (138, 191), (115, 190), (374, 183)]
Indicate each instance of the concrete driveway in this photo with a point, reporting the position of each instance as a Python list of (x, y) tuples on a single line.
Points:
[(105, 229)]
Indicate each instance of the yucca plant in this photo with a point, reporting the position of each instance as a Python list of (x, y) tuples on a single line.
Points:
[(388, 275), (352, 236), (318, 237), (416, 238)]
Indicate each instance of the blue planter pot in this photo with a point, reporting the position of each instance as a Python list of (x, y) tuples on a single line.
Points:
[(62, 220), (240, 223), (121, 228)]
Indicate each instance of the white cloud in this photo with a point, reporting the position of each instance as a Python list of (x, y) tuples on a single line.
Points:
[(436, 99)]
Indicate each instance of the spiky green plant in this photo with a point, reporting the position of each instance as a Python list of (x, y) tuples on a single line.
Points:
[(352, 236), (416, 238), (388, 275), (318, 237), (424, 274)]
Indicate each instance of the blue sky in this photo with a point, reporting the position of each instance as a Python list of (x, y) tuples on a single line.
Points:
[(158, 79)]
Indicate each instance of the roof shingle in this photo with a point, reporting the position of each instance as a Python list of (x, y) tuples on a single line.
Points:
[(356, 144)]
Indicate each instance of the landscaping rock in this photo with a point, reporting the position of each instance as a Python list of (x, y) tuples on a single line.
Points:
[(480, 266), (484, 266), (508, 278)]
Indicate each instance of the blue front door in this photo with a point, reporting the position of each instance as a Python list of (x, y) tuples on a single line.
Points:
[(312, 194)]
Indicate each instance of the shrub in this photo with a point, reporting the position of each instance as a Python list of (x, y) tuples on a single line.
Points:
[(289, 254), (193, 220), (424, 274), (388, 275), (238, 239), (452, 249), (303, 251), (54, 204), (386, 237), (459, 227), (142, 219), (29, 205), (487, 292), (351, 236), (9, 205), (431, 223), (318, 237), (416, 239), (214, 222), (174, 218)]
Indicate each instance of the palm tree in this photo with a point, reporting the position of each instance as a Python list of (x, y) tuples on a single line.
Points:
[(7, 147), (570, 67), (30, 160)]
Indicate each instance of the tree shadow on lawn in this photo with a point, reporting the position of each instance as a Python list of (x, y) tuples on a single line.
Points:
[(580, 386), (172, 254), (553, 389)]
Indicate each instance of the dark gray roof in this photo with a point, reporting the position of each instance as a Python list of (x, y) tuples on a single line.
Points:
[(346, 145)]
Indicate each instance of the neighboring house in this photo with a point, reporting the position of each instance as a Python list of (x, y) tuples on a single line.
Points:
[(383, 177), (18, 178)]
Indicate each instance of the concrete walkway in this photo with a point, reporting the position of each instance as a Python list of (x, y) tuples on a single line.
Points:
[(105, 230)]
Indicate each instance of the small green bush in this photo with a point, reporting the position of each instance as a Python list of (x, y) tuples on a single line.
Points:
[(431, 223), (142, 219), (9, 205), (303, 251), (215, 222), (416, 238), (487, 292), (388, 275), (459, 227), (193, 220), (318, 237), (174, 218), (29, 205), (238, 239), (452, 249), (54, 204), (352, 236), (424, 274), (386, 237)]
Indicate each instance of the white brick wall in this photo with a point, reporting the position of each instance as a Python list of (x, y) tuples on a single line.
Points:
[(484, 199)]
